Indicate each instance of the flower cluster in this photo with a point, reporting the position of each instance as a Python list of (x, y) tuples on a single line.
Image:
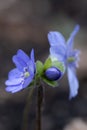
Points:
[(62, 58)]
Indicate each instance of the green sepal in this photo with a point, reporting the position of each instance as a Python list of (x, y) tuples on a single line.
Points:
[(55, 63), (50, 83), (39, 68), (48, 63), (59, 65)]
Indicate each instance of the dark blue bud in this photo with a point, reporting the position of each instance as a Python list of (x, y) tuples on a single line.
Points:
[(53, 73)]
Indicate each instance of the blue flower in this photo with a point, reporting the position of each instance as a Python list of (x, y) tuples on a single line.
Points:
[(53, 73), (21, 76), (64, 52)]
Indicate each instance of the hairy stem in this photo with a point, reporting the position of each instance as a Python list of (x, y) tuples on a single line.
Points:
[(26, 110), (39, 107)]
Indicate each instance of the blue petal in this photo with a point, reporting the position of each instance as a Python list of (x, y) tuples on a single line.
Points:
[(14, 73), (73, 82), (32, 55), (59, 52), (22, 55), (73, 53), (70, 40), (15, 81), (76, 53), (14, 89), (28, 81), (33, 59), (19, 63), (56, 38), (31, 67), (21, 59)]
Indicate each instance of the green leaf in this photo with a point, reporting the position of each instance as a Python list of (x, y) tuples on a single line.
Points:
[(39, 68), (50, 83), (48, 63)]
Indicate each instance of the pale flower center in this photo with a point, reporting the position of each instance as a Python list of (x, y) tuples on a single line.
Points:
[(26, 74), (71, 59)]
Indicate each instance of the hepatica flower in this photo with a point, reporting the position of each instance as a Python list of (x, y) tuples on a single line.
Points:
[(64, 52), (21, 76)]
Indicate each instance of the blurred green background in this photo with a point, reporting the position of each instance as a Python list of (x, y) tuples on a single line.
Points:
[(24, 24)]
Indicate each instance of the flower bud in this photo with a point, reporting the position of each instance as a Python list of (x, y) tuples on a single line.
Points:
[(53, 73)]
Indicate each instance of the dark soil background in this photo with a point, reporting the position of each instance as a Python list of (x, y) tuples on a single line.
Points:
[(24, 24)]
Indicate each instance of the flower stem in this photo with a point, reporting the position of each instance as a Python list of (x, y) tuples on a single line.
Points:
[(39, 107), (26, 110)]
